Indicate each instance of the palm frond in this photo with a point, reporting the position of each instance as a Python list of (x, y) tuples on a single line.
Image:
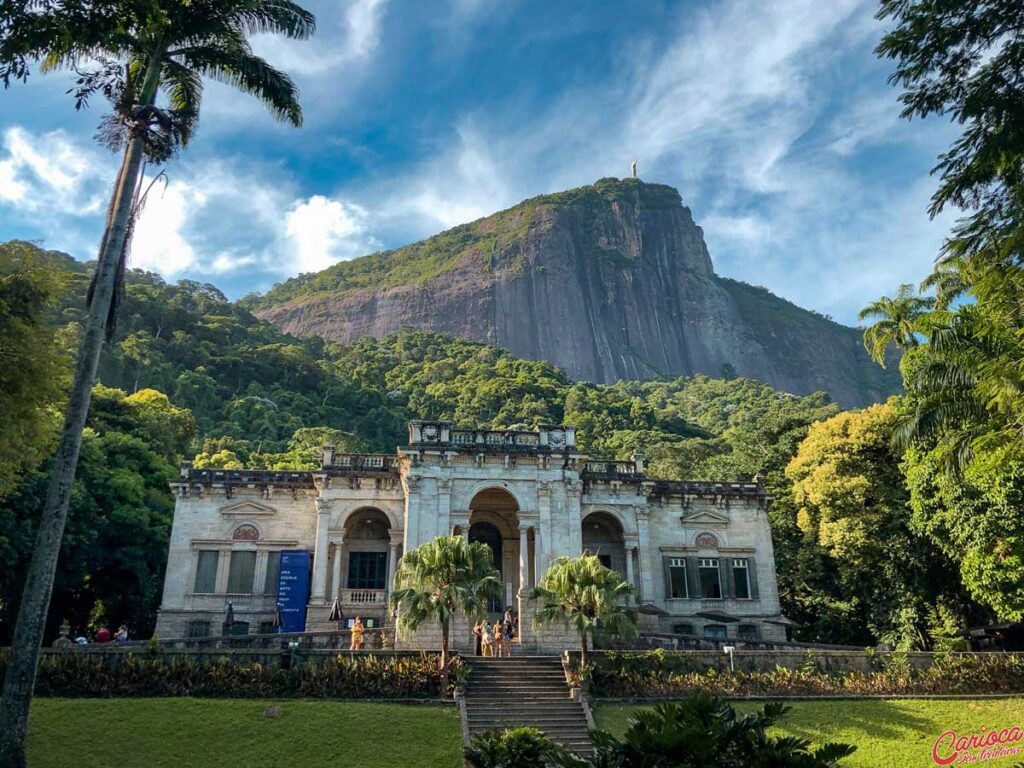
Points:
[(249, 73)]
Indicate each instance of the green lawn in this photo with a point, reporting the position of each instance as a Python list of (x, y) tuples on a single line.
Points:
[(896, 733), (228, 733)]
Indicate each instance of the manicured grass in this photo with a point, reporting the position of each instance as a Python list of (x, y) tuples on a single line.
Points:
[(227, 733), (896, 733)]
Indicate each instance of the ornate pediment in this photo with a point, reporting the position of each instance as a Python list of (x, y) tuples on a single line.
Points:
[(705, 517), (247, 509)]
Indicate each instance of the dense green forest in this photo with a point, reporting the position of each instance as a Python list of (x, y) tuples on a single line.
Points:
[(192, 375)]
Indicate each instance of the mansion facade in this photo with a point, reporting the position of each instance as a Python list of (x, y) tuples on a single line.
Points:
[(698, 553)]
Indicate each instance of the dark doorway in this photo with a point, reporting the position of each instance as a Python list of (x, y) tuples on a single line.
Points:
[(491, 536)]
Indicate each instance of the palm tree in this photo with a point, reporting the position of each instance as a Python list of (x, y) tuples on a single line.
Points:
[(897, 321), (582, 592), (131, 52), (440, 579)]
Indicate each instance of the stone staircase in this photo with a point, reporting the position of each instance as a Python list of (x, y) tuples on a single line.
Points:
[(525, 690)]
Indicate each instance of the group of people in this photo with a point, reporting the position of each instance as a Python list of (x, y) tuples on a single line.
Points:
[(496, 639)]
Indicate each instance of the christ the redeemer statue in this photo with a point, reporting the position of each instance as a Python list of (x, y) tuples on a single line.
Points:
[(633, 169)]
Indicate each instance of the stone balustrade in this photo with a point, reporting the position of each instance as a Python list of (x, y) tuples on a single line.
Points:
[(373, 597)]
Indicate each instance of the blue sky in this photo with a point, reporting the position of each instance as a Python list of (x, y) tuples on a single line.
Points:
[(774, 120)]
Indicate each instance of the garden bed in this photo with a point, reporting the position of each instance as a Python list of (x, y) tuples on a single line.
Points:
[(661, 674), (339, 676)]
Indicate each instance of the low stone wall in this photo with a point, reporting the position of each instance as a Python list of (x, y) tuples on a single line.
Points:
[(382, 638)]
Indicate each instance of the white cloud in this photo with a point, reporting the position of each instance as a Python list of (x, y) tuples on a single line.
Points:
[(321, 231), (50, 172), (203, 218), (158, 243), (348, 38)]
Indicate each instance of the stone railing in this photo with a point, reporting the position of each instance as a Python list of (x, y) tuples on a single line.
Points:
[(362, 462), (707, 489), (602, 470), (218, 602), (373, 597), (494, 438), (443, 433), (245, 477)]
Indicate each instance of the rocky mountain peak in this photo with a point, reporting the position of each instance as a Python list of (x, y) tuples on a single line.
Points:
[(610, 281)]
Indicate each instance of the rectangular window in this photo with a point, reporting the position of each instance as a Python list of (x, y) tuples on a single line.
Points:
[(741, 578), (677, 577), (273, 573), (747, 631), (710, 579), (199, 629), (714, 631), (206, 571), (367, 570), (241, 570)]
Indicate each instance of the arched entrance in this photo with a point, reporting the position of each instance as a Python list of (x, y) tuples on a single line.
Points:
[(494, 521), (490, 535), (603, 536)]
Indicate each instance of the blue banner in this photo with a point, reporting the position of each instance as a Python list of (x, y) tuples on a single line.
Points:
[(293, 589)]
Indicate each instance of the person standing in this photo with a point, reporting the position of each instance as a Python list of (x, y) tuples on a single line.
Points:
[(357, 634), (499, 645), (508, 631), (486, 638), (477, 639)]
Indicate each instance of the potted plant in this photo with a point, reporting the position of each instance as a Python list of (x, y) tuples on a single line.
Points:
[(458, 672), (580, 676)]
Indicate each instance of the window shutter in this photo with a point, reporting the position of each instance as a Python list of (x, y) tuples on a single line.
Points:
[(668, 577), (725, 576), (692, 577), (752, 575)]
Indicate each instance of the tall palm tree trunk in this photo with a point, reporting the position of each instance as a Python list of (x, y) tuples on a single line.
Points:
[(35, 600), (444, 659), (584, 652)]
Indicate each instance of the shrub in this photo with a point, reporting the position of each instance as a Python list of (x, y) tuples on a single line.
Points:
[(513, 748), (340, 677), (659, 674), (705, 732)]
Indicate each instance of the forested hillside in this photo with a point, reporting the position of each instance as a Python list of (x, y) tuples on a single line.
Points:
[(192, 375)]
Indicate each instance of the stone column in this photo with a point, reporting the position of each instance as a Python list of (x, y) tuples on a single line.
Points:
[(545, 531), (323, 524), (524, 554), (336, 575), (392, 565), (647, 563), (444, 491), (629, 570)]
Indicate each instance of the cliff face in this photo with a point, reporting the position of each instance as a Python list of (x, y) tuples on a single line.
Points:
[(611, 281)]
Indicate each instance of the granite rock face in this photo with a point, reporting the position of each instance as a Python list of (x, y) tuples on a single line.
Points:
[(611, 281)]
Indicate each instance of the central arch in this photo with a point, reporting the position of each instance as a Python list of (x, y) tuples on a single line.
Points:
[(603, 536), (493, 520)]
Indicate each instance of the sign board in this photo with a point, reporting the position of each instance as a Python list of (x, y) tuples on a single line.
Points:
[(293, 589)]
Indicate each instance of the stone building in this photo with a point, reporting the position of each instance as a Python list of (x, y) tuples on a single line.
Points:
[(689, 548)]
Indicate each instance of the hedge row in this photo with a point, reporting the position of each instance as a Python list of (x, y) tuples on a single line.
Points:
[(341, 677), (659, 674)]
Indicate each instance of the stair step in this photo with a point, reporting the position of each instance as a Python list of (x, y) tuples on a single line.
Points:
[(525, 691)]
